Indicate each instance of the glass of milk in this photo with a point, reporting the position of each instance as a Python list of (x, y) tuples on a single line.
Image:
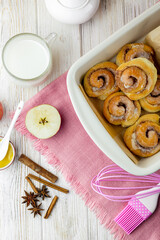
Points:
[(27, 58)]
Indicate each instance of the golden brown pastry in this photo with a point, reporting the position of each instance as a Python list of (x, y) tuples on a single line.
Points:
[(99, 81), (153, 39), (118, 109), (151, 103), (136, 78), (134, 50), (143, 138)]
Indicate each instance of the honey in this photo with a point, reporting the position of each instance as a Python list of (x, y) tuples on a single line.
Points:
[(8, 158)]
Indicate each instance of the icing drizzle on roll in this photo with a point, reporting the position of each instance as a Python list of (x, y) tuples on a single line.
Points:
[(134, 50), (151, 103), (99, 81), (118, 109), (143, 138), (136, 78)]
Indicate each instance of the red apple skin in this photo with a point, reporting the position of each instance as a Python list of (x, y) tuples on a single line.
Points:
[(1, 111)]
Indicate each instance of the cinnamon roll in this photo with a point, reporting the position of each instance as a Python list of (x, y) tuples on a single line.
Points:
[(143, 138), (118, 109), (134, 50), (136, 78), (151, 103), (99, 81)]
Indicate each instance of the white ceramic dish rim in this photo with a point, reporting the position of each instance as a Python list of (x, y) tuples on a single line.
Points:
[(100, 136)]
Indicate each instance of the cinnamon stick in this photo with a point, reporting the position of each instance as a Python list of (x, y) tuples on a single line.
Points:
[(49, 210), (48, 183), (37, 168), (31, 184)]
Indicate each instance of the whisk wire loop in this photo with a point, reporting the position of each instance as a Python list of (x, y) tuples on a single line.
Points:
[(113, 173)]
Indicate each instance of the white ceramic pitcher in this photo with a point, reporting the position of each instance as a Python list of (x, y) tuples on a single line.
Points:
[(72, 11)]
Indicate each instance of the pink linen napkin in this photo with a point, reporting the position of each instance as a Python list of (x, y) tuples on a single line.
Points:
[(79, 159)]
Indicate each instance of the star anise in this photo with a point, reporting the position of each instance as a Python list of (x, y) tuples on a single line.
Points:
[(36, 209), (30, 198), (43, 192)]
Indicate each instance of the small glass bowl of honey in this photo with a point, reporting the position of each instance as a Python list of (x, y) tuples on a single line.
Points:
[(9, 158)]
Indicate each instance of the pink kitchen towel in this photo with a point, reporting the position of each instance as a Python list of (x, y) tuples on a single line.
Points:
[(79, 159)]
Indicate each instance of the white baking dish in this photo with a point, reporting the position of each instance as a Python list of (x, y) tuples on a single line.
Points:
[(133, 31)]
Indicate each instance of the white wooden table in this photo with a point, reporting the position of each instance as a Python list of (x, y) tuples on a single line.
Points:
[(71, 219)]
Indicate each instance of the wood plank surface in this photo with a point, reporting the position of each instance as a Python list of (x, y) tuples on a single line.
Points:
[(70, 219)]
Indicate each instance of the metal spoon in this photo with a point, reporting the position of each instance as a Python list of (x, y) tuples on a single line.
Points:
[(5, 142)]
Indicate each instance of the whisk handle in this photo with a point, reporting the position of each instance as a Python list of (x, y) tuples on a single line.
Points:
[(150, 201)]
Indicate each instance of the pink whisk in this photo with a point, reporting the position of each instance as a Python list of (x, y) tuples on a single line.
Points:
[(140, 206), (113, 173)]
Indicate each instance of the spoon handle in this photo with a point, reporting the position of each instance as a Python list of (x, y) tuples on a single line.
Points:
[(16, 115)]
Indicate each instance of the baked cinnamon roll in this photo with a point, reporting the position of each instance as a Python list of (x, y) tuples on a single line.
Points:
[(136, 78), (118, 109), (134, 50), (151, 103), (99, 81), (143, 138)]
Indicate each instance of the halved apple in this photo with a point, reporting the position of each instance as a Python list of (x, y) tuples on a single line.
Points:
[(43, 121)]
